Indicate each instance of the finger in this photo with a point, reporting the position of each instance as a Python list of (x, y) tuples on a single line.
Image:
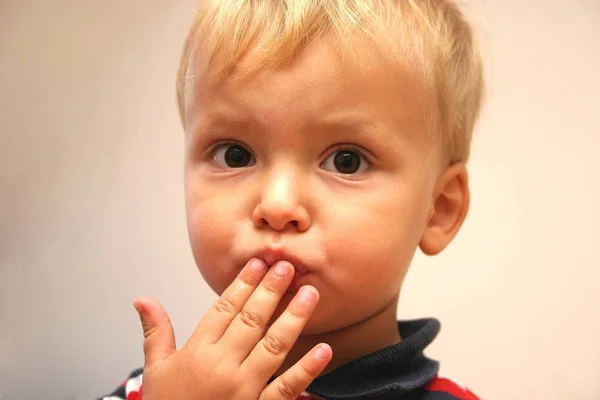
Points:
[(295, 380), (159, 338), (248, 327), (223, 311), (268, 355)]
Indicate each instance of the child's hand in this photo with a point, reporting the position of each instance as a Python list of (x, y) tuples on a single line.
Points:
[(229, 356)]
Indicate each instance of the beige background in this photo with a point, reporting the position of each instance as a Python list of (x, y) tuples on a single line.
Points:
[(91, 205)]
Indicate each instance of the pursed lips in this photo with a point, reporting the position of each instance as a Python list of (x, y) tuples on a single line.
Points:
[(270, 256)]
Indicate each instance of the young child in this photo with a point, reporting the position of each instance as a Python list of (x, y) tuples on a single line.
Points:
[(326, 140)]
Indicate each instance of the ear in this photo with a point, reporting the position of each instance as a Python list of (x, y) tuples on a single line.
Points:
[(448, 211)]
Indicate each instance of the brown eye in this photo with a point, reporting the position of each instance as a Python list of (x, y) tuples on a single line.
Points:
[(346, 162), (233, 156)]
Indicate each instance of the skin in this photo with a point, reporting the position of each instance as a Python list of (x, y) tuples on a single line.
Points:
[(355, 234)]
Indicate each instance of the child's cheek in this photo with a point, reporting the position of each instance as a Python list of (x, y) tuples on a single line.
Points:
[(211, 235), (376, 245)]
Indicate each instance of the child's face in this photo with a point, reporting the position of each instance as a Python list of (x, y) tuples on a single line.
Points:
[(324, 163)]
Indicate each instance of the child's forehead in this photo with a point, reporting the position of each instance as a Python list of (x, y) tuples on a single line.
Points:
[(322, 86), (360, 59)]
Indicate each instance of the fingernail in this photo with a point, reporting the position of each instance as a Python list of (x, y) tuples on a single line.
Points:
[(307, 294), (257, 265), (282, 269), (323, 352)]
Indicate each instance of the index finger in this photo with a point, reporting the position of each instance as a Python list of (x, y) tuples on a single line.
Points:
[(216, 320)]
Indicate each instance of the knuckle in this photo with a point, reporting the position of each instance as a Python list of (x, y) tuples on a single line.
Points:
[(224, 306), (274, 344), (306, 373), (270, 288), (149, 330), (285, 388), (251, 319), (298, 312), (147, 347), (248, 278)]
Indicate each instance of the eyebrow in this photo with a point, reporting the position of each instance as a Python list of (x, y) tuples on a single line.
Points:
[(351, 124), (346, 124), (219, 118), (353, 127)]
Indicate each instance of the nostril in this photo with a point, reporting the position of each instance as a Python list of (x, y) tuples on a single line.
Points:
[(278, 225)]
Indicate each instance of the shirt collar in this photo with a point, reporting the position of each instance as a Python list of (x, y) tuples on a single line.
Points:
[(396, 369)]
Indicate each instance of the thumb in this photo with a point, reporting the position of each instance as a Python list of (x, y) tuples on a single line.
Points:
[(159, 338)]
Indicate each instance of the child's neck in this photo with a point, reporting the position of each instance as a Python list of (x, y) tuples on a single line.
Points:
[(374, 333)]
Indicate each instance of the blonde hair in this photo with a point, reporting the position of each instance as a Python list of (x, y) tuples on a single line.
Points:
[(430, 36)]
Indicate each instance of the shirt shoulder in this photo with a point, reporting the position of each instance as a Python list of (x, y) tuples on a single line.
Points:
[(130, 389), (441, 388)]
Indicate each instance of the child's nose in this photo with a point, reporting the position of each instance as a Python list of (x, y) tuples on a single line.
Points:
[(281, 206)]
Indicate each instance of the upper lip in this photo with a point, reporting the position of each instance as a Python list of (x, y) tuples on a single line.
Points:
[(271, 255)]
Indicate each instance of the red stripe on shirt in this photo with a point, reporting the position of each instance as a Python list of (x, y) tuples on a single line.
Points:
[(135, 395), (446, 385)]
